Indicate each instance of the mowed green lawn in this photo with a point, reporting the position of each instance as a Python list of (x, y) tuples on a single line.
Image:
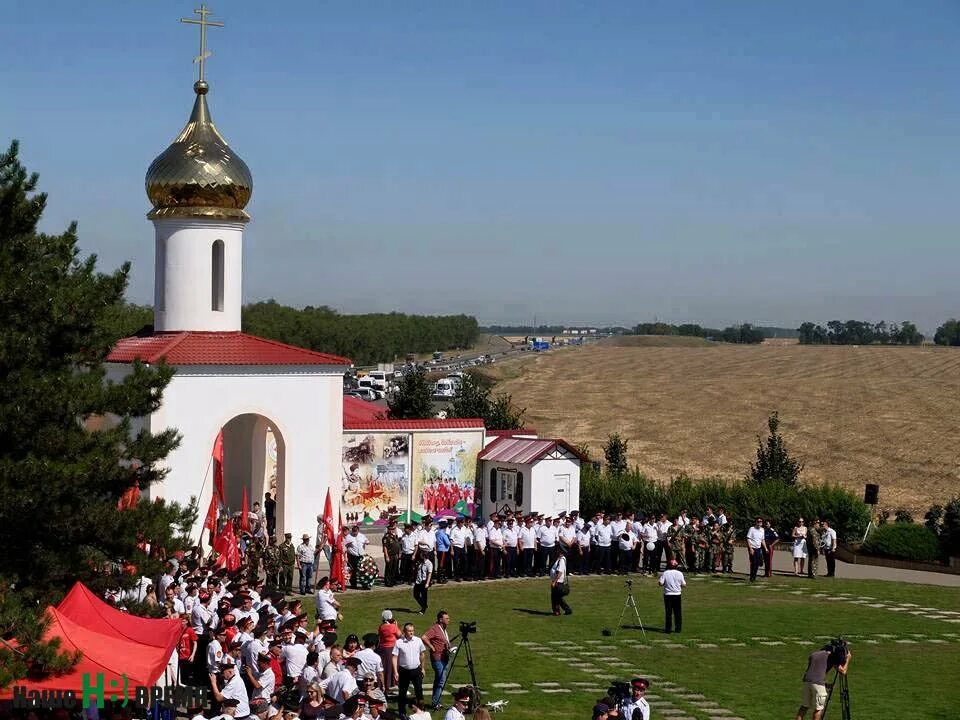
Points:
[(742, 652)]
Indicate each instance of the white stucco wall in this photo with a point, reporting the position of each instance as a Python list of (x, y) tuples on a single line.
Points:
[(303, 404), (183, 280)]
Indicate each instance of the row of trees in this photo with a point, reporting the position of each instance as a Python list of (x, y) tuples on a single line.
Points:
[(859, 332), (948, 333), (413, 401), (365, 339), (745, 333), (60, 482)]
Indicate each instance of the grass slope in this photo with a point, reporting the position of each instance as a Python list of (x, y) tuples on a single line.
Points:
[(899, 651), (854, 414)]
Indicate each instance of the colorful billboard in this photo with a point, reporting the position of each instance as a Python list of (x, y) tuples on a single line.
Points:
[(445, 472), (375, 481)]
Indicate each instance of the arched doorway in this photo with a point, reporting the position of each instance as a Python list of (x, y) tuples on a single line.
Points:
[(254, 458)]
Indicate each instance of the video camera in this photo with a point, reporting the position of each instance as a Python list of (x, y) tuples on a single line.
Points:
[(619, 690), (839, 652), (468, 627)]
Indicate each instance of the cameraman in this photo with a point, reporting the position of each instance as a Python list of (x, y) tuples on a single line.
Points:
[(637, 701), (834, 655)]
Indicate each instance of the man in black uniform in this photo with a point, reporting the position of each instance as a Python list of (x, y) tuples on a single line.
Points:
[(270, 510)]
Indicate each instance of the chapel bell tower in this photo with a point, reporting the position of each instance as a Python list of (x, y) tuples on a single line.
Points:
[(198, 188)]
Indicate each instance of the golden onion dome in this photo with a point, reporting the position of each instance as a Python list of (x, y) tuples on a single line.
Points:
[(199, 175)]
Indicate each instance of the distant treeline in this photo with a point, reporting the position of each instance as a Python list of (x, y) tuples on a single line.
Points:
[(745, 333), (948, 333), (859, 332), (365, 339)]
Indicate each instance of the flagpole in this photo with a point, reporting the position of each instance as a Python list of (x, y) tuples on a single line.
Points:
[(196, 503)]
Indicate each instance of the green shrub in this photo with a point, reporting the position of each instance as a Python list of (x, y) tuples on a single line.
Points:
[(744, 501), (902, 540)]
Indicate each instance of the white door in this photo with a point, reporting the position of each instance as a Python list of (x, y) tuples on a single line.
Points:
[(561, 492)]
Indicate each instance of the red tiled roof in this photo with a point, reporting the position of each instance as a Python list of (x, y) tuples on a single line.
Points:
[(216, 348), (523, 450), (362, 415)]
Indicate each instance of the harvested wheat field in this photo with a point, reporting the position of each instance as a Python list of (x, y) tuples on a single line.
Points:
[(889, 415)]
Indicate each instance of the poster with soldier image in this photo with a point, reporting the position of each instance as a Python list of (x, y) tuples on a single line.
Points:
[(445, 472), (375, 482)]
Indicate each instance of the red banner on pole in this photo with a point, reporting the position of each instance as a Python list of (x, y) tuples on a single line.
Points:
[(245, 512), (218, 467), (226, 547), (210, 522), (328, 530)]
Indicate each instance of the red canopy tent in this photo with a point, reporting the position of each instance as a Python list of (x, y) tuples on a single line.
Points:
[(108, 646), (85, 608)]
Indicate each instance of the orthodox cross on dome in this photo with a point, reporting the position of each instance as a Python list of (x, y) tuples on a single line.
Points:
[(204, 24)]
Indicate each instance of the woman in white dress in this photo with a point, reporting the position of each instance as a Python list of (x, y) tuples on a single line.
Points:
[(799, 535)]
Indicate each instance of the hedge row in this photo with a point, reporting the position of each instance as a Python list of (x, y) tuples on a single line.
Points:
[(903, 540), (743, 501)]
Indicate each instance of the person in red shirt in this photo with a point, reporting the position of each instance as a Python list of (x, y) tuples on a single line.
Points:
[(438, 642), (186, 650)]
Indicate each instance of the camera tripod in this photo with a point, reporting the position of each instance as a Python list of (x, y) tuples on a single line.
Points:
[(839, 682), (630, 602), (466, 650)]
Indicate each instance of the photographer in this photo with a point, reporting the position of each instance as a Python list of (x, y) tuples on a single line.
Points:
[(637, 702), (837, 655)]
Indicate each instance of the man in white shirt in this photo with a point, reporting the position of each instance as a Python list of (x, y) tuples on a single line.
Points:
[(511, 536), (495, 545), (458, 543), (232, 688), (327, 606), (721, 516), (604, 538), (294, 656), (756, 546), (626, 542), (408, 666), (548, 541), (478, 552), (356, 543), (408, 545), (262, 679), (528, 547), (370, 661), (583, 546), (305, 557), (673, 584), (829, 544), (567, 537), (461, 700), (427, 540), (651, 562), (343, 684)]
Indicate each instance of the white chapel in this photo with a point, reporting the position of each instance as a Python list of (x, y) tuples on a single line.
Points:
[(227, 380)]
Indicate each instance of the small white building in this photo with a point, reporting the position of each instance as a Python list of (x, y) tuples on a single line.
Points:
[(528, 475)]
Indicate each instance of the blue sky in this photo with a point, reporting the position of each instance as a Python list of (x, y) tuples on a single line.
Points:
[(607, 162)]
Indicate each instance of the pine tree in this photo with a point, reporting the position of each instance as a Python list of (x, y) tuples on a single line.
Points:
[(773, 459), (473, 401), (412, 400), (67, 452)]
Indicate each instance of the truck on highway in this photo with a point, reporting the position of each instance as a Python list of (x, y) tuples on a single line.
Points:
[(381, 379)]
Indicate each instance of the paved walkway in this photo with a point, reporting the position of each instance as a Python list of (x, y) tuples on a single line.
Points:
[(783, 563)]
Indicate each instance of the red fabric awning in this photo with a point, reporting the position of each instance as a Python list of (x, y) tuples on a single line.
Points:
[(85, 608), (112, 642)]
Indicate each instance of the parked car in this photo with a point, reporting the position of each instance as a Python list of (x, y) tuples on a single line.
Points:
[(367, 383), (365, 393), (446, 388)]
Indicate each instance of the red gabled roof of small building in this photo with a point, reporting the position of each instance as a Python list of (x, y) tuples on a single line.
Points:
[(363, 415), (216, 348), (524, 450)]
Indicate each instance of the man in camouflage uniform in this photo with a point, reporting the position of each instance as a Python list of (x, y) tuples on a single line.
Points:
[(698, 545), (814, 538), (715, 546), (676, 544), (271, 563), (288, 558), (254, 553), (729, 538)]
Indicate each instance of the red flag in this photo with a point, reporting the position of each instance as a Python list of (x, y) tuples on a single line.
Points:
[(218, 467), (327, 520), (210, 523), (245, 512), (130, 498), (338, 570), (226, 547)]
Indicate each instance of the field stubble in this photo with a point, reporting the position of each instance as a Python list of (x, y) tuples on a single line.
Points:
[(855, 415)]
